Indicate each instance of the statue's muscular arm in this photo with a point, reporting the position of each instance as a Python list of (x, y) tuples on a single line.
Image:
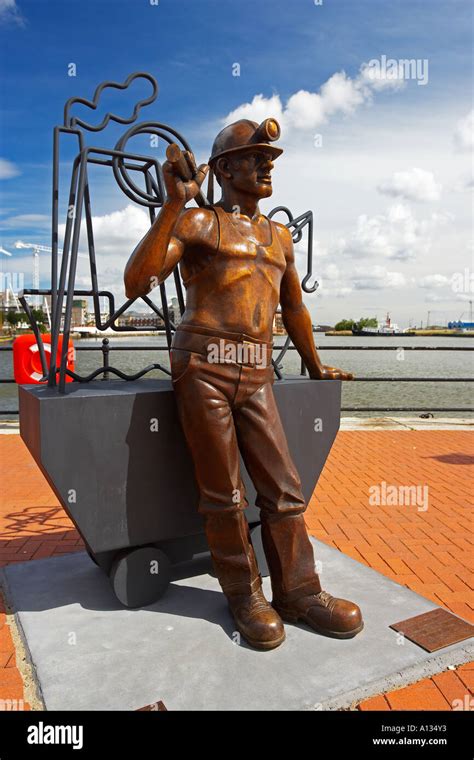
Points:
[(174, 229), (296, 317)]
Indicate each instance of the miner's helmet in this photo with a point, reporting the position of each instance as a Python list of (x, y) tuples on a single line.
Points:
[(245, 134)]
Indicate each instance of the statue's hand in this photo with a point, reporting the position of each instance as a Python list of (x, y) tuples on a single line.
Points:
[(330, 373), (182, 190)]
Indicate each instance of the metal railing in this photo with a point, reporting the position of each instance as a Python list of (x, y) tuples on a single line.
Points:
[(105, 370)]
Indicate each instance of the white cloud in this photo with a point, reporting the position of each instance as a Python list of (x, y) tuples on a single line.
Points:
[(10, 13), (434, 281), (332, 282), (464, 183), (339, 282), (118, 233), (334, 291), (258, 110), (376, 278), (342, 94), (332, 272), (379, 78), (22, 221), (301, 249), (412, 185), (304, 110), (397, 234), (458, 286), (7, 169), (464, 133), (115, 237)]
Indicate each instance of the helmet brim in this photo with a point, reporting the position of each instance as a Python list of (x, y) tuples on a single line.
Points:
[(267, 147)]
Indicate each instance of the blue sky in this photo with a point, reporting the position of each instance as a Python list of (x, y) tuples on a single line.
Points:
[(283, 48)]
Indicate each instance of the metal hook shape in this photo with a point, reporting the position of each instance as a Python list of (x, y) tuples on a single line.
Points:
[(298, 226)]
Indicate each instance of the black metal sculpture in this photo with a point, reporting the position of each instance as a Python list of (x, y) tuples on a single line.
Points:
[(149, 194)]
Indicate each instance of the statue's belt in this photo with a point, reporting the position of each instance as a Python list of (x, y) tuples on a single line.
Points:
[(246, 350)]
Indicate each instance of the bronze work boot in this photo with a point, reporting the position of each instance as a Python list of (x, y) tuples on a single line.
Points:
[(324, 613), (236, 568), (257, 621), (297, 592)]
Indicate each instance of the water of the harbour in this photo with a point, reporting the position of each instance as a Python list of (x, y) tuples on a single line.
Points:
[(393, 363)]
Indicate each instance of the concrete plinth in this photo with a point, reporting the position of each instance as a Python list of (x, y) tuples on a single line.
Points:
[(89, 653), (115, 455)]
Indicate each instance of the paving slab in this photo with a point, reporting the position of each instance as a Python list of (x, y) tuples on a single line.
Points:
[(406, 423), (90, 653)]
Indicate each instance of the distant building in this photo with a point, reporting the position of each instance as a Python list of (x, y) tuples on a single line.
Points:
[(79, 315), (459, 325), (6, 302), (278, 326), (174, 311), (137, 319)]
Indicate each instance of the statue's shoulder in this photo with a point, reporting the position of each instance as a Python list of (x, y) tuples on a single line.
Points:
[(282, 231), (198, 214), (197, 218), (278, 226), (197, 225)]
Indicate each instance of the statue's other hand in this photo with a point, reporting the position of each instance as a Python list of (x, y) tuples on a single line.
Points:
[(331, 373), (183, 190)]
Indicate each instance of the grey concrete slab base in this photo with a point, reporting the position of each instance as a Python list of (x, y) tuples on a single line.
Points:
[(89, 653)]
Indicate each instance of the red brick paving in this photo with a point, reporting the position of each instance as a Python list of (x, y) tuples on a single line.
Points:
[(11, 682), (444, 691), (428, 551)]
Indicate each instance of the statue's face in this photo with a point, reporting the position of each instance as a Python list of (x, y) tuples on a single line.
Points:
[(251, 172)]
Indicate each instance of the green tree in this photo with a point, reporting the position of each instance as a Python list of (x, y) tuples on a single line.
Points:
[(13, 318), (41, 319), (39, 315), (344, 324), (366, 322)]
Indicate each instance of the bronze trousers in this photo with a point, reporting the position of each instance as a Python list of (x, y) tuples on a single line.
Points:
[(226, 407)]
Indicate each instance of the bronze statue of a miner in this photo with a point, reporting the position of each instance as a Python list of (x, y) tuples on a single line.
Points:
[(237, 266)]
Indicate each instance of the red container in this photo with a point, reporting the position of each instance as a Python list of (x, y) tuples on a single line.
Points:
[(26, 358)]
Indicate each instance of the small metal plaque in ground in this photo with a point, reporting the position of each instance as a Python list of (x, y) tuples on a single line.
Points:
[(154, 707), (435, 629)]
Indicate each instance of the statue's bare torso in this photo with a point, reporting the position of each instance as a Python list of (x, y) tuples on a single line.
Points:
[(232, 276)]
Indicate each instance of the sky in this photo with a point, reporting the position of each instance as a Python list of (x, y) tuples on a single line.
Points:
[(380, 151)]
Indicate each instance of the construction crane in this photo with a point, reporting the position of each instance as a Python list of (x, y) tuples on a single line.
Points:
[(8, 285), (36, 247), (43, 248)]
